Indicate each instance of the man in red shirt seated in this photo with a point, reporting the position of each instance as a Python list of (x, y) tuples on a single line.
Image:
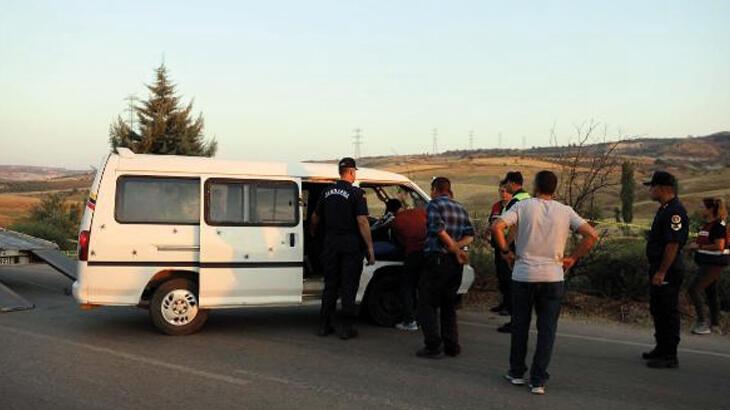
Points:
[(409, 228)]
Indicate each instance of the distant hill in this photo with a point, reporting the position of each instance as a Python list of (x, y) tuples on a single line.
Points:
[(708, 152), (14, 178), (32, 173)]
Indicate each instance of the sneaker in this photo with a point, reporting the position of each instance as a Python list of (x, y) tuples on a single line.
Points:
[(539, 390), (517, 381), (427, 353), (505, 328), (701, 328), (666, 362), (407, 326)]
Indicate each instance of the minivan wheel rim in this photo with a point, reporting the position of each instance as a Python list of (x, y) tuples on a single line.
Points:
[(179, 307)]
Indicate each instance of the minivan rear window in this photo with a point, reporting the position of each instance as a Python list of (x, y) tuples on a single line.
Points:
[(252, 203), (157, 200)]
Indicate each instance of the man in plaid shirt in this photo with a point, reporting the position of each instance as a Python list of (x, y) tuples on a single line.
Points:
[(448, 232)]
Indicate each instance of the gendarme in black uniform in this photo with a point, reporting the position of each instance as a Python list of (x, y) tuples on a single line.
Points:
[(343, 249), (671, 225)]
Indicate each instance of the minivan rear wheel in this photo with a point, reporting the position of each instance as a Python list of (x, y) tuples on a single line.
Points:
[(174, 308), (384, 303)]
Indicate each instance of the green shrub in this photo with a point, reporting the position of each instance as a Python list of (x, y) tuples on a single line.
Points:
[(615, 269), (52, 220)]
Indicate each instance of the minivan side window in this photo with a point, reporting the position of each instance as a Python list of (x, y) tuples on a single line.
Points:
[(251, 203), (157, 200)]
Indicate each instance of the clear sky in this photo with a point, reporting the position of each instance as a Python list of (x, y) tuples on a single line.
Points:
[(291, 79)]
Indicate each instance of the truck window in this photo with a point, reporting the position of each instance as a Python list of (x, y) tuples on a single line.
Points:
[(252, 203), (157, 200)]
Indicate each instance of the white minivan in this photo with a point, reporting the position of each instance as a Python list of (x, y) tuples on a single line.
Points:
[(181, 235)]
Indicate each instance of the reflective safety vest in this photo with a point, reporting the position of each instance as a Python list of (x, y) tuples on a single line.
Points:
[(522, 195)]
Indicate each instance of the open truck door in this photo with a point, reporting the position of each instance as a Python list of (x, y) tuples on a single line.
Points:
[(251, 242)]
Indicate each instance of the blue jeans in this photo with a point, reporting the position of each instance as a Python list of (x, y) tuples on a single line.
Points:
[(546, 298)]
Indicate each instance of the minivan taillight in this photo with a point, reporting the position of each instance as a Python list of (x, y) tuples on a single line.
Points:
[(84, 237)]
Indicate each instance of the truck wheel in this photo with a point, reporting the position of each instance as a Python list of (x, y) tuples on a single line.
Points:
[(384, 304), (174, 308)]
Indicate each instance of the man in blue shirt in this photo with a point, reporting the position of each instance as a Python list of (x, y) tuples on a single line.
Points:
[(448, 232)]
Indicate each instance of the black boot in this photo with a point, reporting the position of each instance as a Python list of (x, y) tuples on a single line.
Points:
[(665, 362), (325, 328), (654, 354), (348, 332)]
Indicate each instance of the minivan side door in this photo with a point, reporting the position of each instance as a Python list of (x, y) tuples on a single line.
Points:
[(251, 242)]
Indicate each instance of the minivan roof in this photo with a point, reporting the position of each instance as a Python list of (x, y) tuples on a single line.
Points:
[(129, 161)]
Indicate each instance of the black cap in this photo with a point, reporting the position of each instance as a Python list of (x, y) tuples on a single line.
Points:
[(662, 178), (347, 162), (513, 176)]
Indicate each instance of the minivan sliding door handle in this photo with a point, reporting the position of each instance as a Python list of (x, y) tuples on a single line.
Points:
[(292, 239)]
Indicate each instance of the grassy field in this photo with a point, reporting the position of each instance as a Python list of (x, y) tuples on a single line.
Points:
[(14, 206), (475, 180)]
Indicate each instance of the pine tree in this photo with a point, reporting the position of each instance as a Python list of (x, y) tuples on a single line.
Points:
[(165, 127), (627, 191)]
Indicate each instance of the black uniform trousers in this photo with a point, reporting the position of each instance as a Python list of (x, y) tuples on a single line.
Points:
[(438, 289), (504, 280), (342, 263), (664, 308)]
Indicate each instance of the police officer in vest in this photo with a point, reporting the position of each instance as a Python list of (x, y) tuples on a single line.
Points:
[(513, 182), (668, 235), (343, 213)]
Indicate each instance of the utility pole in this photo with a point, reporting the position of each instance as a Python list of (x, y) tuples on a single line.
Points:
[(524, 144), (357, 142), (131, 100), (435, 134), (471, 140)]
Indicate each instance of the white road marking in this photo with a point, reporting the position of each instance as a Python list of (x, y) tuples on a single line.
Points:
[(614, 341), (131, 357)]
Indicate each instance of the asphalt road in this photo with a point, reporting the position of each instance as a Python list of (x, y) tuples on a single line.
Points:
[(57, 356)]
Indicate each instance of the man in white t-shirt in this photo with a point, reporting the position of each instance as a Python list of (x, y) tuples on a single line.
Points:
[(543, 228)]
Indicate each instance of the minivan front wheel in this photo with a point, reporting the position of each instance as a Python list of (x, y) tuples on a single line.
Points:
[(174, 308), (384, 303)]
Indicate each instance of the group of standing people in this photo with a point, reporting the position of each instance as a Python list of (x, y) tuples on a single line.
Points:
[(434, 243), (529, 233)]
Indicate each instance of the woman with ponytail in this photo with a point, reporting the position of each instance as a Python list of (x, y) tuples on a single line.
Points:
[(711, 256)]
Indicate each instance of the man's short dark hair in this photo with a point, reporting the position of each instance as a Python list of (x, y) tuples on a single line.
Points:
[(546, 182), (513, 176), (441, 184), (393, 205)]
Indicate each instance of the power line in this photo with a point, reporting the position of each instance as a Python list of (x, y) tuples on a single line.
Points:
[(435, 134), (131, 109), (357, 142)]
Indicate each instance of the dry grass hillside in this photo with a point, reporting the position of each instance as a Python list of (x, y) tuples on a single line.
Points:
[(701, 164)]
